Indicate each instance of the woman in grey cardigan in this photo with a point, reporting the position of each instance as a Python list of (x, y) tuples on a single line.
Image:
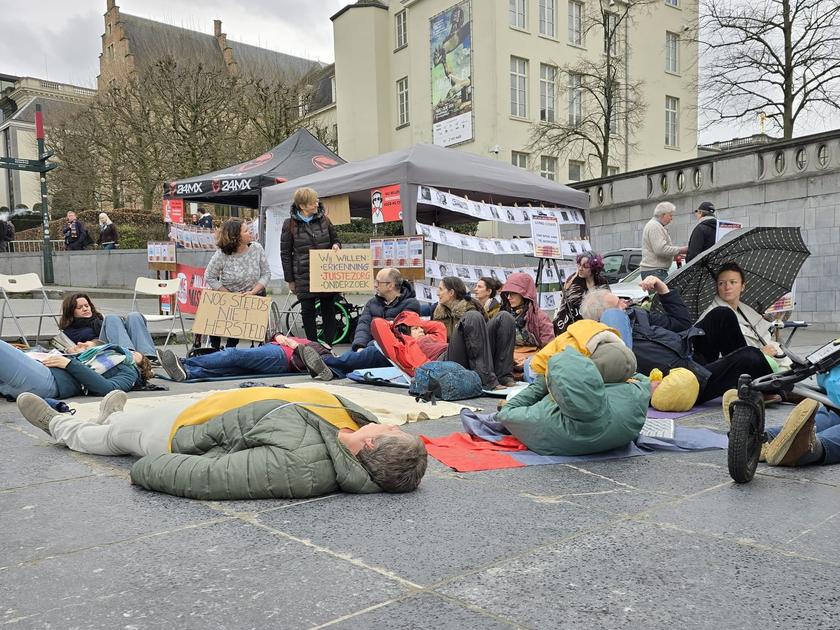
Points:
[(239, 266)]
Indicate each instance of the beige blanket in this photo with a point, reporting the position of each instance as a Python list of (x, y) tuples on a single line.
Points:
[(390, 408)]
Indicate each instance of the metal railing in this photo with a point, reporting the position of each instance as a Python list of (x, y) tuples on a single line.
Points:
[(27, 247)]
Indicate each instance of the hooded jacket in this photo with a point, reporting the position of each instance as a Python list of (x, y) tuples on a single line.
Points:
[(297, 238), (570, 411), (577, 336), (536, 322), (406, 351), (702, 237), (377, 307)]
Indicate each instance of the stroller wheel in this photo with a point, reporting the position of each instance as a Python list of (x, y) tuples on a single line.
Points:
[(745, 437)]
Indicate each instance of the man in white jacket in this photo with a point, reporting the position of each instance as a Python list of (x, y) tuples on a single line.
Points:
[(657, 249)]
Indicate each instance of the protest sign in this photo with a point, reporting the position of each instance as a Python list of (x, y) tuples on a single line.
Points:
[(340, 271), (545, 233), (173, 210), (232, 315), (725, 227), (385, 204)]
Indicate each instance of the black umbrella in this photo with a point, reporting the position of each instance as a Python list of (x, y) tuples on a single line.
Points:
[(771, 258)]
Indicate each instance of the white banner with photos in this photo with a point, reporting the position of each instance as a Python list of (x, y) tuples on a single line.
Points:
[(191, 237), (428, 293), (472, 273), (491, 212), (443, 236)]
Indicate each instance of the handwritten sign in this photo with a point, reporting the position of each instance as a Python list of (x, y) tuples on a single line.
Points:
[(545, 233), (232, 315), (342, 271)]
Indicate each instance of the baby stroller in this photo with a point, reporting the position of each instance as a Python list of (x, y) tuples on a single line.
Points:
[(747, 412)]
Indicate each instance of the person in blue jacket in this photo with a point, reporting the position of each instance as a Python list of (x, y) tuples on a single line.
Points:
[(62, 377)]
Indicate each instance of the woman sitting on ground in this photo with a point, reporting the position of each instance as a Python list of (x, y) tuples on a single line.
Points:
[(485, 292), (486, 348), (239, 266), (58, 376), (533, 328), (81, 322), (757, 331), (587, 277)]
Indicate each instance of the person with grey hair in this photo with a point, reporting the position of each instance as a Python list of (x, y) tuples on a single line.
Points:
[(657, 249)]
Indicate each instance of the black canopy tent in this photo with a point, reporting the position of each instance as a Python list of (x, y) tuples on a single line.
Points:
[(241, 184)]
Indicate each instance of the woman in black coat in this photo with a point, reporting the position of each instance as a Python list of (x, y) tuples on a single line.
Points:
[(308, 228)]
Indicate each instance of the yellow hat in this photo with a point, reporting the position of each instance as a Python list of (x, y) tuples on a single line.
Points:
[(676, 392)]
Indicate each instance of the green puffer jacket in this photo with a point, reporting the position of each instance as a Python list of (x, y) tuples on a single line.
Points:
[(269, 449), (571, 411)]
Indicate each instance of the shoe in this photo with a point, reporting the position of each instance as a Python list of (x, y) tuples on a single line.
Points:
[(507, 381), (729, 397), (314, 363), (172, 365), (113, 401), (36, 410), (797, 443)]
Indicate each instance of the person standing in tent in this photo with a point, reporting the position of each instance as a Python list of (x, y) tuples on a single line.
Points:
[(308, 228)]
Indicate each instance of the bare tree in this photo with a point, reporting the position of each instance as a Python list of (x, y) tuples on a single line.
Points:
[(605, 104), (776, 58)]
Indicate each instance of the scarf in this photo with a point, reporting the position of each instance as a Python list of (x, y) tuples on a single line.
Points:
[(451, 314)]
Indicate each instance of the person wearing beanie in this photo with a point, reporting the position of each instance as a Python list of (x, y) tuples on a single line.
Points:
[(703, 234)]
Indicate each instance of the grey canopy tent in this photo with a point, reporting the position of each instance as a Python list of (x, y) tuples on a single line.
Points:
[(459, 172)]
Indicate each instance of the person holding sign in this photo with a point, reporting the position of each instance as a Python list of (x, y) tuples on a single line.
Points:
[(239, 266), (306, 229)]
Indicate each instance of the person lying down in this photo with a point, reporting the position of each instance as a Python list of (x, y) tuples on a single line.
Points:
[(255, 443)]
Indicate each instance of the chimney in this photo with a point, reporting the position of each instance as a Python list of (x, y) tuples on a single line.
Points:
[(110, 4), (217, 26)]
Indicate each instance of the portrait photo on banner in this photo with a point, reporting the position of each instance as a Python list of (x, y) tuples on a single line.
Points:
[(451, 72)]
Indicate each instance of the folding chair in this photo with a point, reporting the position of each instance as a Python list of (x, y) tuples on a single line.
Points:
[(151, 286), (24, 283)]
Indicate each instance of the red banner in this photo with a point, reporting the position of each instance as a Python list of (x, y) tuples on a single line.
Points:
[(385, 204), (192, 282), (173, 210)]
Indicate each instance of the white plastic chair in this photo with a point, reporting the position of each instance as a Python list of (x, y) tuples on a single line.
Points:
[(24, 283), (152, 286)]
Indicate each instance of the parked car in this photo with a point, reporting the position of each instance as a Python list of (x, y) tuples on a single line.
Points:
[(620, 262), (629, 289)]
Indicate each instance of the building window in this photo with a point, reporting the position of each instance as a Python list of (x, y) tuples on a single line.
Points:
[(547, 18), (548, 75), (575, 170), (548, 167), (332, 89), (400, 28), (672, 3), (575, 100), (518, 87), (612, 171), (611, 33), (303, 108), (109, 28), (516, 13), (672, 52), (517, 158), (110, 52), (672, 121), (402, 101), (576, 23), (615, 117)]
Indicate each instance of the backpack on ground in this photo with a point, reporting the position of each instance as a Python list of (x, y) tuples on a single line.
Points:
[(444, 380)]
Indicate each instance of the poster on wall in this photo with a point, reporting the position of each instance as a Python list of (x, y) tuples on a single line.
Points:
[(451, 55), (385, 204), (173, 210)]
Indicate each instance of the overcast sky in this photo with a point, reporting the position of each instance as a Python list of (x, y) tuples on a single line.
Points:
[(60, 39)]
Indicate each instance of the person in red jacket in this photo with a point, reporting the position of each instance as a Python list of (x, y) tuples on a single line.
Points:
[(410, 341), (533, 327)]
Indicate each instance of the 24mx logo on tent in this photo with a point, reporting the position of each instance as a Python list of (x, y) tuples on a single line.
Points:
[(230, 185), (189, 189)]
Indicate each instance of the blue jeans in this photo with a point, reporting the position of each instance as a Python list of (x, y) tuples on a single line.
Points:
[(109, 246), (367, 357), (19, 373), (618, 319), (828, 432), (267, 359), (132, 334)]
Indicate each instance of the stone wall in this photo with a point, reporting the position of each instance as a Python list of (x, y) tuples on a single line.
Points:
[(795, 183)]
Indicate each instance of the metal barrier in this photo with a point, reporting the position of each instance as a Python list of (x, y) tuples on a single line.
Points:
[(27, 247)]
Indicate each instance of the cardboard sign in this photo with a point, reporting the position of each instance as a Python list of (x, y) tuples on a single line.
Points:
[(385, 204), (337, 209), (232, 315), (342, 271), (173, 210), (545, 232)]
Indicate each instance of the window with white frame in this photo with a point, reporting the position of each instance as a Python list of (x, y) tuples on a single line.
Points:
[(548, 167), (672, 52), (332, 89), (518, 87), (548, 18), (516, 13), (612, 171), (518, 158), (400, 29), (611, 33), (402, 101), (615, 115), (575, 99), (576, 23), (548, 92), (672, 3), (672, 121), (575, 170)]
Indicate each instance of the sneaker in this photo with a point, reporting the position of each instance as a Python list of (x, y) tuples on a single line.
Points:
[(36, 410), (314, 363), (113, 401), (729, 397), (172, 365), (507, 381), (797, 443)]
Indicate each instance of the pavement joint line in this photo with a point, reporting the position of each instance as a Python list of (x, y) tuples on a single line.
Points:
[(743, 542), (219, 506), (477, 609), (346, 557), (811, 529), (352, 615), (44, 483), (71, 552), (769, 472), (618, 483)]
